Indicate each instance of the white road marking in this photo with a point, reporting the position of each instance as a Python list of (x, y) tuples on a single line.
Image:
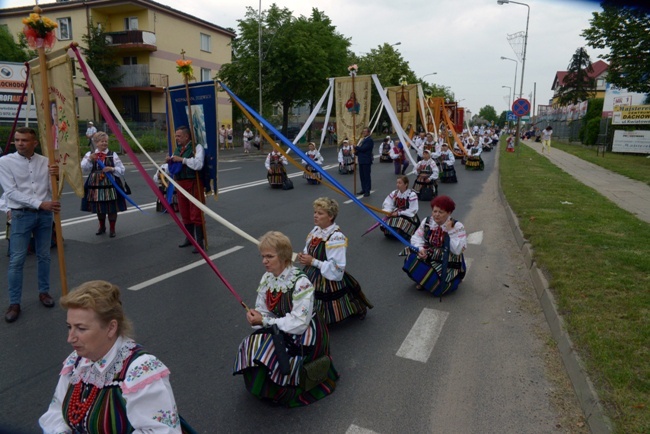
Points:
[(358, 197), (475, 238), (188, 267), (468, 263), (420, 341), (358, 430)]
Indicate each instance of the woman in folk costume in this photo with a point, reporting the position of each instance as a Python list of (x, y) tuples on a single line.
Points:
[(425, 185), (510, 142), (430, 144), (402, 208), (109, 384), (100, 196), (384, 150), (311, 175), (441, 242), (338, 294), (474, 160), (486, 142), (276, 172), (400, 161), (447, 159), (346, 158), (284, 315)]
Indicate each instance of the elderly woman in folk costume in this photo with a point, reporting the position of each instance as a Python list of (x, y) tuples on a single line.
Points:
[(338, 294), (447, 159), (426, 185), (311, 175), (441, 241), (401, 205), (276, 172), (100, 196), (346, 158), (286, 360), (384, 150)]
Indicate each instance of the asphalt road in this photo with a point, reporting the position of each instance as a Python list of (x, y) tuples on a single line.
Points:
[(484, 372)]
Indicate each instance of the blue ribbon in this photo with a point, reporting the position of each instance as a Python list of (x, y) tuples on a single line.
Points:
[(317, 168), (117, 186), (174, 168)]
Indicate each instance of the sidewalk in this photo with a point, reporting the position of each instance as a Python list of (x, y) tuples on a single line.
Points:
[(631, 195)]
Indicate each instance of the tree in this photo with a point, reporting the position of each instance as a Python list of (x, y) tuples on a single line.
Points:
[(624, 31), (298, 55), (11, 51), (488, 113), (435, 90), (100, 56), (578, 85)]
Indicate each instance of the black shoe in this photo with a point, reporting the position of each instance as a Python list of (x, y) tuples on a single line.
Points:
[(46, 299), (185, 243), (366, 194), (360, 192), (101, 231), (112, 234)]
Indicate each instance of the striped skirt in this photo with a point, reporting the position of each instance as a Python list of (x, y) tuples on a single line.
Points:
[(336, 301), (100, 196), (404, 226)]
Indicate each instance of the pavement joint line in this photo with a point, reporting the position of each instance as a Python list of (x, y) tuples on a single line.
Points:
[(423, 336), (183, 269), (585, 391)]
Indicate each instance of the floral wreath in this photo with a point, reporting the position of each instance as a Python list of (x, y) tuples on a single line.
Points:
[(184, 67), (39, 30), (353, 70)]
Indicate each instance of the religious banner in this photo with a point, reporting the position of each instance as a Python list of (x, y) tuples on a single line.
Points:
[(403, 99), (65, 132), (352, 106), (203, 97)]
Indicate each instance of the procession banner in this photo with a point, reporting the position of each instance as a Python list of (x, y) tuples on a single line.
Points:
[(12, 81), (403, 99), (203, 97), (352, 106), (65, 132)]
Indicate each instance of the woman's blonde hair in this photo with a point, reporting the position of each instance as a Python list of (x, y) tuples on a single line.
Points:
[(104, 299), (330, 206), (98, 136), (279, 242)]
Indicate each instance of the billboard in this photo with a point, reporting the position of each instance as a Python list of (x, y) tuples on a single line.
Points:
[(12, 81)]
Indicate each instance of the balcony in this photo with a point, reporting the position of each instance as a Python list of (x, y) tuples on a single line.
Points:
[(138, 77), (132, 40)]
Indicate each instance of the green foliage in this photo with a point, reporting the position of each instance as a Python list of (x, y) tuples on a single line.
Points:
[(577, 85), (10, 51), (591, 131), (502, 118), (435, 90), (624, 31), (594, 111), (100, 56), (488, 113), (298, 55)]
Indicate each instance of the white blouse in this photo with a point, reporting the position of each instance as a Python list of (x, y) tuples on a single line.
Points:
[(150, 404), (334, 266), (457, 236), (315, 156), (389, 202), (87, 164)]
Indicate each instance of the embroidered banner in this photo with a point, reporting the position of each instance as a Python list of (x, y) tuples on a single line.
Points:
[(65, 132), (403, 99), (204, 120), (352, 106)]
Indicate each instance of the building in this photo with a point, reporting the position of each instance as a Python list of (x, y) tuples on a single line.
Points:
[(599, 74), (148, 38)]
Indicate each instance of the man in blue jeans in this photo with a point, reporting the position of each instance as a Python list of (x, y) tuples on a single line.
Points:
[(364, 155), (25, 179)]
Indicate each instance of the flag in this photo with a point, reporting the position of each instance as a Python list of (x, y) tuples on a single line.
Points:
[(403, 99), (352, 106), (65, 131)]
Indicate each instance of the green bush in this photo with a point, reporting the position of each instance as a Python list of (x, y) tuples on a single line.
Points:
[(591, 131)]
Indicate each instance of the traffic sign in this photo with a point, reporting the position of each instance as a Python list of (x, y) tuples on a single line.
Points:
[(521, 107), (510, 116)]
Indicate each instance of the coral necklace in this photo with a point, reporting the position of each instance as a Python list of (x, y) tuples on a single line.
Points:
[(76, 409), (272, 299)]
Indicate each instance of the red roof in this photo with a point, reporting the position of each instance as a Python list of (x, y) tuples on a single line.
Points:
[(598, 68)]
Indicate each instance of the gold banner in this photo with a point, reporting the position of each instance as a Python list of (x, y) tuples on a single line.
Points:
[(65, 131), (352, 106), (404, 101)]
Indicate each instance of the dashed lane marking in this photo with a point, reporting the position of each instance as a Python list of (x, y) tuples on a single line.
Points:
[(420, 341)]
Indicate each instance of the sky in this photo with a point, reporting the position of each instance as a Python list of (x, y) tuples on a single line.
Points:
[(462, 41)]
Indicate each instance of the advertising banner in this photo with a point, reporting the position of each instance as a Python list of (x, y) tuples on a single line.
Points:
[(631, 115), (12, 81), (637, 142)]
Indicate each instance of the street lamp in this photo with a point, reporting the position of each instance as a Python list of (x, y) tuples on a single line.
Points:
[(523, 60), (396, 43), (514, 86), (426, 75), (509, 90)]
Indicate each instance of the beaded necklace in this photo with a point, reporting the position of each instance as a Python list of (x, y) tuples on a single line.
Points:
[(77, 409)]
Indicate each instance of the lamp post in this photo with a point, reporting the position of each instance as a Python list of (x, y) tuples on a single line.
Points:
[(523, 60), (426, 75), (509, 89), (395, 44), (514, 86)]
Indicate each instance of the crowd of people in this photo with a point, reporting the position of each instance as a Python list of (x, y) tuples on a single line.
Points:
[(109, 380)]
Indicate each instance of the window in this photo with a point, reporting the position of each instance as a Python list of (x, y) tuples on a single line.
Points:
[(74, 68), (205, 74), (64, 31), (600, 83), (131, 23), (205, 43), (131, 60)]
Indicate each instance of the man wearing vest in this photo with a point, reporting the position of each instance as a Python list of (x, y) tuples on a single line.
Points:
[(191, 161)]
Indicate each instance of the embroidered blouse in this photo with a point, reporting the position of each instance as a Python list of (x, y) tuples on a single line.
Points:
[(335, 248), (87, 164), (457, 236), (408, 196), (296, 321), (276, 156), (150, 403)]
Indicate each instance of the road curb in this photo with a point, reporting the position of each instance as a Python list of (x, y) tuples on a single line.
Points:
[(585, 391)]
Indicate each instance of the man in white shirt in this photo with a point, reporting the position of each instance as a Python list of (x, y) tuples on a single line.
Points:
[(25, 179), (90, 131)]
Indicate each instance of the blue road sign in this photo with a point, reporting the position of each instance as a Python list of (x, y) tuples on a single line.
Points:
[(510, 116)]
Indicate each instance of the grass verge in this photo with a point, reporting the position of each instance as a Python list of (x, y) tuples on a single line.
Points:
[(633, 166), (597, 259)]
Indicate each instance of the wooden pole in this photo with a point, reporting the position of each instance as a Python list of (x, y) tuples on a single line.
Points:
[(52, 162), (354, 137)]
